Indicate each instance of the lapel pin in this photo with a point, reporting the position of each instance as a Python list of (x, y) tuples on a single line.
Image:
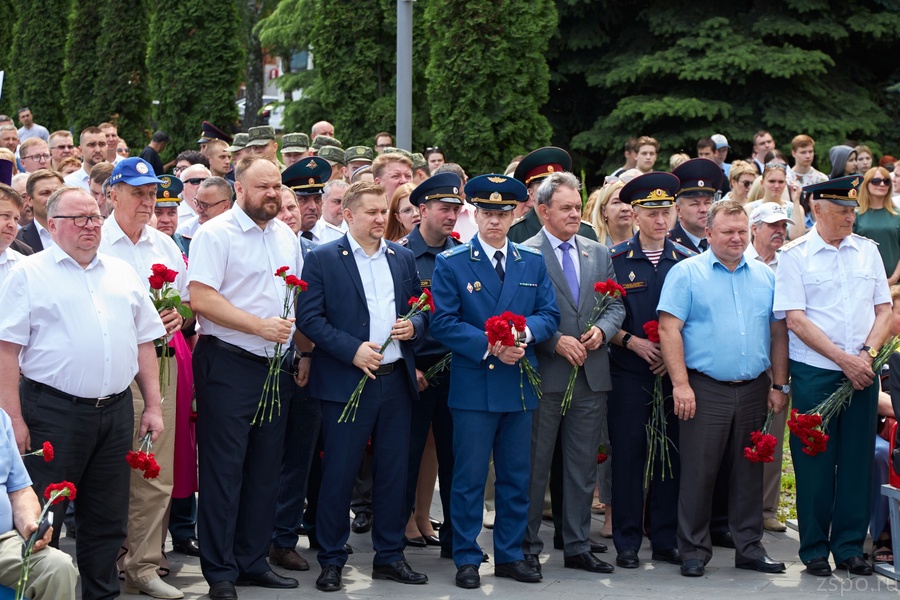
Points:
[(390, 251), (344, 253), (584, 254), (475, 253), (477, 286), (631, 276), (469, 288)]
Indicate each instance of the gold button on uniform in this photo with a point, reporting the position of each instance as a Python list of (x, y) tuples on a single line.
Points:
[(491, 367)]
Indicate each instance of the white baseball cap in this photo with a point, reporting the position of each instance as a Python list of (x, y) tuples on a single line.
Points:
[(768, 212)]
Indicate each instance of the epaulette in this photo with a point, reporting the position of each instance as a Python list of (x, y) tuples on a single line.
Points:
[(462, 248), (528, 249), (519, 220), (683, 250), (862, 237), (403, 241), (793, 243), (619, 248)]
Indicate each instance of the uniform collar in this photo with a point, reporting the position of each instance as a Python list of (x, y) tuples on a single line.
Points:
[(114, 232), (816, 242)]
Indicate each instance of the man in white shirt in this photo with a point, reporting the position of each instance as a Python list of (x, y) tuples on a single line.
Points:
[(332, 197), (40, 186), (93, 151), (126, 234), (80, 326), (10, 209)]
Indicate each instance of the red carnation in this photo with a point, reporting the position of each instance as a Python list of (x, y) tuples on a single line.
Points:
[(651, 328), (601, 458), (281, 271), (66, 489), (157, 282), (48, 451), (600, 287), (497, 329), (762, 447), (293, 281), (454, 235)]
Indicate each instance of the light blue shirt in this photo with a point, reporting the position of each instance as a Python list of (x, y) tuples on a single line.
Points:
[(726, 315), (13, 476), (378, 283)]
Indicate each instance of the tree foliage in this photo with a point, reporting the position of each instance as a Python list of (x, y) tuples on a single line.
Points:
[(195, 56), (8, 8), (34, 77), (82, 66), (488, 78)]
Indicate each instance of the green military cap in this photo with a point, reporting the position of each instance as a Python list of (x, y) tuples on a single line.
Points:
[(418, 161), (332, 154), (359, 154), (842, 191), (401, 151), (294, 142), (323, 140), (239, 143), (260, 136)]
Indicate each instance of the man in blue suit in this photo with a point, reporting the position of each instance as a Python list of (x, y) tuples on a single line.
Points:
[(490, 403), (358, 285)]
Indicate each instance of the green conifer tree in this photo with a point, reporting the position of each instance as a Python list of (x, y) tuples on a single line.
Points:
[(82, 66)]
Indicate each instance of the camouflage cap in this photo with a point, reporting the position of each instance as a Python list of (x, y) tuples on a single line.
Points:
[(260, 136), (321, 141), (406, 153), (418, 161), (332, 154), (294, 142), (239, 143), (359, 154)]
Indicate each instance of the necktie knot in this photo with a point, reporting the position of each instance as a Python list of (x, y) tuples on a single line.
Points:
[(565, 246)]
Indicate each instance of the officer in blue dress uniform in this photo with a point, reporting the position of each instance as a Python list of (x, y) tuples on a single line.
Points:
[(438, 201), (641, 265), (490, 403)]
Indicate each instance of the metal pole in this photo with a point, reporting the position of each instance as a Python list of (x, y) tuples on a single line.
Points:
[(404, 73)]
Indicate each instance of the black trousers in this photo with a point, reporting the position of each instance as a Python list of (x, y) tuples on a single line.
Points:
[(89, 445), (240, 463)]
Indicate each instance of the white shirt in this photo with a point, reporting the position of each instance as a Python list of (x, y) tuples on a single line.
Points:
[(836, 287), (751, 254), (573, 253), (46, 238), (466, 226), (188, 227), (324, 232), (153, 247), (491, 251), (185, 211), (378, 283), (79, 178), (232, 255), (119, 158), (79, 328), (8, 259), (809, 178)]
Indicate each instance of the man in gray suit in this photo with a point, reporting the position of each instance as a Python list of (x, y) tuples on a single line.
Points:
[(574, 264)]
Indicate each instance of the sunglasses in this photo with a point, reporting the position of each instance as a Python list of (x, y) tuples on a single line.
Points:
[(195, 180), (746, 184), (773, 165), (880, 181)]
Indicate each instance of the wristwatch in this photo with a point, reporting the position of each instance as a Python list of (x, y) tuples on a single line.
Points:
[(870, 351), (784, 389), (625, 339)]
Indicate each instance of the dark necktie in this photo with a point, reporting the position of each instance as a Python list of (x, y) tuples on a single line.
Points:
[(307, 235), (569, 270), (703, 245), (498, 256)]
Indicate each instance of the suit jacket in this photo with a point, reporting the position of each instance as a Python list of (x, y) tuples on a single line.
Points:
[(21, 247), (678, 235), (334, 315), (29, 235), (529, 226), (595, 265), (467, 292)]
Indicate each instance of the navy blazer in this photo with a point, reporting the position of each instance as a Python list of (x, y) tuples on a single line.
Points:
[(29, 235), (333, 314)]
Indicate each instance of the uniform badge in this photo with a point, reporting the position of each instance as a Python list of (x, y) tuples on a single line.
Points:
[(475, 253), (141, 168), (584, 254), (631, 276), (701, 183), (344, 253), (477, 286), (389, 251), (469, 288), (497, 179), (311, 164)]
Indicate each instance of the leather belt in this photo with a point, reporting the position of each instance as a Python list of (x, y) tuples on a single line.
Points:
[(388, 368), (234, 349), (102, 402), (736, 383)]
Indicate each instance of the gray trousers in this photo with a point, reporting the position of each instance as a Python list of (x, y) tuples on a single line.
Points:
[(719, 432), (581, 433)]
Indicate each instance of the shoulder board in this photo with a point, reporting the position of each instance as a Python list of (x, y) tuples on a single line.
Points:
[(794, 243), (518, 220), (462, 248), (683, 250), (528, 249), (862, 237), (620, 248), (403, 241)]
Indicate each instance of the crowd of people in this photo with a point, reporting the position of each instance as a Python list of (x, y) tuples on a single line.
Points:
[(307, 337)]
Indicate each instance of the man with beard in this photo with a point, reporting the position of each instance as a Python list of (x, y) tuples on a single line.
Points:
[(235, 293)]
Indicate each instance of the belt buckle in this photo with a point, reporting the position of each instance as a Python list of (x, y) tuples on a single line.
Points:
[(101, 399)]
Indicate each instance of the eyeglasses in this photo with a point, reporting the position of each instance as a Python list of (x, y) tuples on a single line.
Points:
[(205, 207), (195, 180), (880, 181), (37, 157), (64, 147), (746, 184), (408, 211), (382, 145), (773, 165), (82, 220)]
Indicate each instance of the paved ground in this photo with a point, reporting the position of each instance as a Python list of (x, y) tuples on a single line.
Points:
[(721, 581)]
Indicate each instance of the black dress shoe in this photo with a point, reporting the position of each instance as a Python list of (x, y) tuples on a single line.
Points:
[(819, 567), (270, 579), (670, 556), (432, 540), (722, 540), (467, 577), (763, 564), (361, 522), (587, 562), (692, 567), (329, 579), (518, 570), (416, 542), (533, 561), (598, 547), (398, 571), (628, 559), (856, 565), (190, 546), (222, 590)]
